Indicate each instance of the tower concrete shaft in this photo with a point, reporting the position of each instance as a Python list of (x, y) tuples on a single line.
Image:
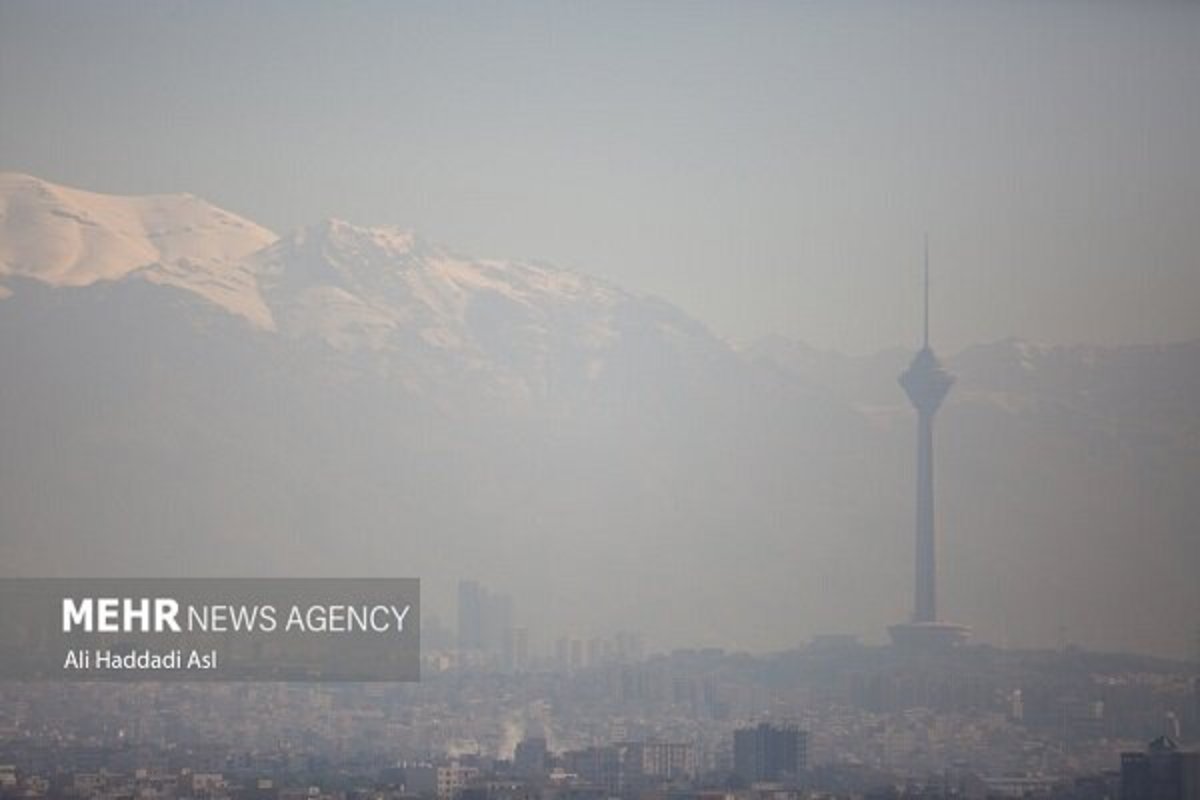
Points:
[(925, 587)]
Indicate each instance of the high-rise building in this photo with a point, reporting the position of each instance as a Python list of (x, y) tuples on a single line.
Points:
[(600, 767), (665, 760), (516, 649), (529, 759), (470, 615), (497, 620), (485, 620), (927, 383), (769, 753), (1163, 772)]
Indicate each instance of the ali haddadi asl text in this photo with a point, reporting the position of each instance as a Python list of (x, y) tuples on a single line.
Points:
[(140, 660)]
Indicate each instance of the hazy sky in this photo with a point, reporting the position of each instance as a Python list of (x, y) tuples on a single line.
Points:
[(770, 167)]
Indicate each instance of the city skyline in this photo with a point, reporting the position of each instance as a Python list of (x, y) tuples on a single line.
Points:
[(636, 400)]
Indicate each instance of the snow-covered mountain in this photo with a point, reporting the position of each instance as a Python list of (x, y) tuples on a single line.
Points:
[(430, 314), (520, 329), (184, 392), (69, 237)]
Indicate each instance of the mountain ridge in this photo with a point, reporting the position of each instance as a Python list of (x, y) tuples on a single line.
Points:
[(353, 400), (357, 289)]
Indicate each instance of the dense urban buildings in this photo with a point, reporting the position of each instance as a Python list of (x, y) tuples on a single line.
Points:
[(861, 721)]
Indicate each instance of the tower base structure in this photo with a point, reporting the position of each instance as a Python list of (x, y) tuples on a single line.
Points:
[(929, 635)]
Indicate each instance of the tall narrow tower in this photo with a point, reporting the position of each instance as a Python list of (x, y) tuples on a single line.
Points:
[(927, 383)]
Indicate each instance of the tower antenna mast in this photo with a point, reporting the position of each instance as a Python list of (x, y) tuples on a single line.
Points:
[(925, 342)]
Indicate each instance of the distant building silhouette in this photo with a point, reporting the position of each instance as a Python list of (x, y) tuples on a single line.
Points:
[(530, 757), (470, 615), (1195, 721), (1163, 772), (602, 768), (769, 753), (485, 621)]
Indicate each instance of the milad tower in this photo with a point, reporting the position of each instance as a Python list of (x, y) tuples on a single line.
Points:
[(927, 383)]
